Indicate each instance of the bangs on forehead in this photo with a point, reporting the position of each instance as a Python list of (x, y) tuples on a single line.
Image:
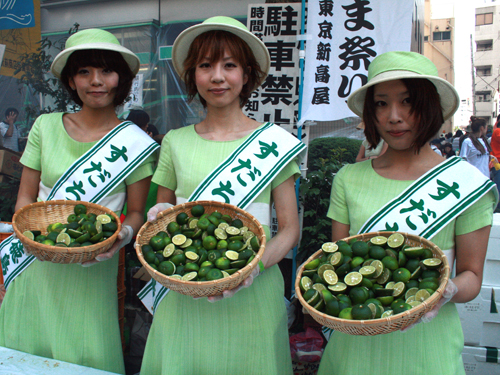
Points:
[(94, 57), (216, 43)]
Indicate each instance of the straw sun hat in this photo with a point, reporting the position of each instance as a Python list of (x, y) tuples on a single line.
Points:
[(183, 42), (391, 66), (93, 39)]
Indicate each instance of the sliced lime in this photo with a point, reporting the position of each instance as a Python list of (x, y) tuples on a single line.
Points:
[(330, 277), (179, 239), (353, 278), (169, 250), (188, 243), (220, 234), (329, 247), (305, 283), (395, 240), (379, 267), (367, 271), (63, 238), (190, 276), (103, 219), (338, 287), (398, 289), (29, 234), (232, 255), (422, 295), (378, 240), (191, 255), (233, 231), (432, 263)]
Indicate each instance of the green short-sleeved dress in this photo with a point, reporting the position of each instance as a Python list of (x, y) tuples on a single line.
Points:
[(245, 334), (66, 311), (428, 348)]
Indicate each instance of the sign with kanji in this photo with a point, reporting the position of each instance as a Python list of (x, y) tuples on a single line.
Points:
[(278, 26), (344, 36)]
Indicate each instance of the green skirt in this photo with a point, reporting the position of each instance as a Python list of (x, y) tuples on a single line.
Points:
[(245, 335), (427, 348), (65, 312)]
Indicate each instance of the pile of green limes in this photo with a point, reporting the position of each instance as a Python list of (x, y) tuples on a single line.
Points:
[(371, 279), (202, 247), (82, 229)]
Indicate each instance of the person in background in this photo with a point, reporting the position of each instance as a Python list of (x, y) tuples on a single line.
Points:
[(436, 146), (456, 140), (366, 152), (495, 151), (475, 149), (448, 150), (140, 118), (9, 130)]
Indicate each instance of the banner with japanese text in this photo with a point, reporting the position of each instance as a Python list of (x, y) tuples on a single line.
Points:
[(278, 26), (343, 37), (19, 31)]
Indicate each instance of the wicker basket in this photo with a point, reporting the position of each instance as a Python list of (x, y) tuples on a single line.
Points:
[(200, 288), (382, 325), (39, 215)]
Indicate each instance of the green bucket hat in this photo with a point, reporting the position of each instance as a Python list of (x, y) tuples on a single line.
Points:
[(391, 66), (93, 39), (183, 42)]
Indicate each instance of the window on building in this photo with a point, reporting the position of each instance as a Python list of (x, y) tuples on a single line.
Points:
[(483, 71), (426, 38), (484, 19), (484, 45), (441, 35), (483, 96)]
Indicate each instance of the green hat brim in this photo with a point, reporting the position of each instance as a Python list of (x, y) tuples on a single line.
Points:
[(183, 42), (60, 60), (450, 101)]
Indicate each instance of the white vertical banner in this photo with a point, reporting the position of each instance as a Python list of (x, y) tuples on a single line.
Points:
[(278, 26), (135, 93), (343, 37)]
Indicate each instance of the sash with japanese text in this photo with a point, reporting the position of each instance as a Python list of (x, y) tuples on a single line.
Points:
[(91, 178), (238, 180), (430, 203)]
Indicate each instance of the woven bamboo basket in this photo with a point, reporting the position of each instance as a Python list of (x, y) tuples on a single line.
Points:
[(383, 325), (39, 215), (200, 288)]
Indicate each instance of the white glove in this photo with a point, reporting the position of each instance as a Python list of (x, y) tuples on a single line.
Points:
[(231, 292), (124, 238), (156, 209), (448, 293)]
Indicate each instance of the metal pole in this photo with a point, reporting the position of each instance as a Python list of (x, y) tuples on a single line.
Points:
[(299, 129), (473, 78)]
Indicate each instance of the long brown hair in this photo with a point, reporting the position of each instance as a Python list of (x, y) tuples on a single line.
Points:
[(477, 124)]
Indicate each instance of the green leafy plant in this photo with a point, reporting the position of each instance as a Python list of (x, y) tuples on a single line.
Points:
[(325, 148), (34, 68), (315, 192), (8, 197)]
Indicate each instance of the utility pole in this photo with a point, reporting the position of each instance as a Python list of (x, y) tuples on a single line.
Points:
[(473, 78)]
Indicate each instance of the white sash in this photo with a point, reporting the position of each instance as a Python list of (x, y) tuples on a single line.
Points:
[(431, 202), (238, 180), (90, 178)]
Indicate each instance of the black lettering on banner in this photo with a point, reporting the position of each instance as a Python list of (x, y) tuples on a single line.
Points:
[(325, 30), (356, 12), (357, 49), (321, 95), (345, 83), (323, 51), (326, 8), (281, 54), (257, 12), (322, 74)]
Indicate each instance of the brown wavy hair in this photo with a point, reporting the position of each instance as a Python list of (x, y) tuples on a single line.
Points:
[(425, 105), (213, 44)]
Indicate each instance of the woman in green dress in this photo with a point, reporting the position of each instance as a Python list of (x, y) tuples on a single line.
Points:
[(69, 312), (405, 103), (222, 63)]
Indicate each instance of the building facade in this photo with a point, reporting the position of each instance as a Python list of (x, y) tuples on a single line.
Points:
[(487, 62)]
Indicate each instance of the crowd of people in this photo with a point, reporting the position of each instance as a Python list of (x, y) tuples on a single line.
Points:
[(72, 308)]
